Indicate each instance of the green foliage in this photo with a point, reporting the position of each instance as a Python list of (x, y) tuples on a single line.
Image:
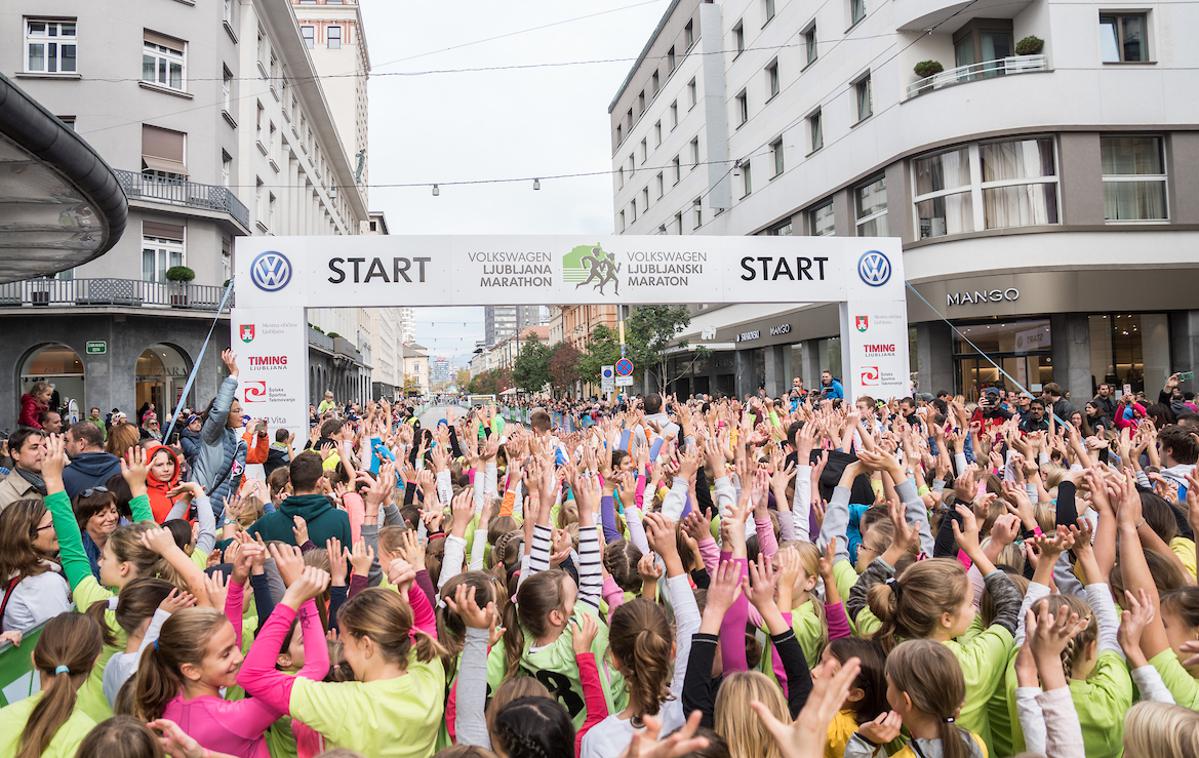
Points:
[(649, 332), (531, 372), (602, 350), (1030, 45), (928, 68), (490, 382), (180, 274)]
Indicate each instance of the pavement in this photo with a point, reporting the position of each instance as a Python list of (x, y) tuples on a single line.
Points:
[(434, 413)]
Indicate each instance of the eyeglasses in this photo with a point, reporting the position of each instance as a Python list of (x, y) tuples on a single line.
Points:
[(47, 526), (92, 491)]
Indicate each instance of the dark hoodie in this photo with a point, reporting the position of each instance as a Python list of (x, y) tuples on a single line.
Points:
[(324, 521), (89, 470)]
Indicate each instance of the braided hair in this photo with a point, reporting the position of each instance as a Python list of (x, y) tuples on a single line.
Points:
[(1076, 646), (534, 727)]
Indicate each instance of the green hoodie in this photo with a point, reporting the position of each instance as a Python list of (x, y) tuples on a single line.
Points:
[(324, 521)]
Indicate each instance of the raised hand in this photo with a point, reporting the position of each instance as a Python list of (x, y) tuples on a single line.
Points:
[(229, 358), (807, 736), (217, 590), (464, 604), (760, 585), (288, 559), (135, 468), (311, 583), (54, 460), (724, 589), (462, 511), (402, 574), (177, 600), (338, 557), (299, 530), (361, 558), (1138, 613)]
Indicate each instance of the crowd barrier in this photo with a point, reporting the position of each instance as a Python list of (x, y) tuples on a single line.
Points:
[(18, 680)]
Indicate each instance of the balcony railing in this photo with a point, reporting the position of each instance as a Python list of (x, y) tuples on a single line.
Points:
[(1016, 64), (130, 293), (210, 197)]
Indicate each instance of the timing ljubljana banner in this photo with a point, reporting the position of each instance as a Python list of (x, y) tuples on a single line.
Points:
[(278, 277)]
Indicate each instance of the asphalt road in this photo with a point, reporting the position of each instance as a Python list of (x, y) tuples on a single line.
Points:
[(434, 413)]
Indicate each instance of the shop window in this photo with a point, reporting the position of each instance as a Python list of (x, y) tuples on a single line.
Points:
[(59, 365), (1130, 349), (1022, 348)]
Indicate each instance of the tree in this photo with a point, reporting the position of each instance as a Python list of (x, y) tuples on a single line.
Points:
[(462, 378), (602, 350), (531, 370), (491, 382), (653, 329), (564, 366)]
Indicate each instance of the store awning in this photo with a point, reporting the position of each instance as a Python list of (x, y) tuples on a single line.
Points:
[(60, 203)]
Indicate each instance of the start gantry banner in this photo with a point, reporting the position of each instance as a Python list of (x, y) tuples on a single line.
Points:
[(278, 277), (379, 270)]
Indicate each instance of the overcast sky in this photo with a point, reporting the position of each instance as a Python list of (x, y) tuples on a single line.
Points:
[(494, 124)]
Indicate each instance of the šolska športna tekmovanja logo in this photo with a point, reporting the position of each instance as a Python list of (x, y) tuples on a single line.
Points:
[(591, 264)]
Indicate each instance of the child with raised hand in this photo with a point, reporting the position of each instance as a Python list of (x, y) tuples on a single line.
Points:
[(1049, 634), (51, 722), (394, 705), (926, 690), (640, 641)]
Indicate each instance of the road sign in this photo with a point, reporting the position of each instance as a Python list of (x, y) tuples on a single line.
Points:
[(624, 367), (96, 347), (624, 381), (607, 373)]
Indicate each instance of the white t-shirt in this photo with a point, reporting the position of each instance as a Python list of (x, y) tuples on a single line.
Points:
[(611, 737), (36, 599)]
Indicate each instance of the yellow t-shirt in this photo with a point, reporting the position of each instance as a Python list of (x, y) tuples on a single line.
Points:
[(386, 718), (65, 743), (840, 730), (908, 752), (1185, 550)]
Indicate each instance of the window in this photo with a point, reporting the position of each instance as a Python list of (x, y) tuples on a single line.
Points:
[(697, 212), (670, 60), (674, 115), (259, 120), (809, 43), (633, 211), (742, 108), (1123, 37), (162, 60), (781, 229), (861, 89), (632, 166), (641, 102), (629, 119), (226, 89), (163, 152), (676, 165), (983, 40), (695, 152), (226, 259), (270, 209), (661, 185), (619, 134), (333, 37), (657, 133), (870, 208), (1134, 178), (644, 150), (739, 38), (772, 78), (776, 153), (747, 182), (645, 198), (50, 46), (309, 35), (260, 200), (990, 185), (162, 248), (815, 131), (820, 220), (857, 11), (655, 84), (622, 222), (689, 34), (262, 49), (768, 10), (227, 12), (226, 168)]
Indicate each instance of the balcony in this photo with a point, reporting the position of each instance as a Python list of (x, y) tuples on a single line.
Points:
[(127, 293), (1016, 64), (209, 197)]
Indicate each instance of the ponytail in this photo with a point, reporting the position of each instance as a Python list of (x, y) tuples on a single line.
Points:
[(65, 654), (955, 741), (910, 605), (640, 638), (183, 639), (98, 612), (929, 674)]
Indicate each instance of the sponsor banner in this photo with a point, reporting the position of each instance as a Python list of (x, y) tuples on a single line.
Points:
[(381, 270), (875, 349), (272, 359)]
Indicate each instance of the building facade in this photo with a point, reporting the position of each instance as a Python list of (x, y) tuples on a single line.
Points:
[(213, 119), (503, 321), (416, 370), (1039, 169)]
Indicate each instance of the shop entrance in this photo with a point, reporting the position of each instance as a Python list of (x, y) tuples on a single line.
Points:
[(1022, 348)]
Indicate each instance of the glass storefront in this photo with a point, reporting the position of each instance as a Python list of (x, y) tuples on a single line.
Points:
[(1130, 348), (1022, 348)]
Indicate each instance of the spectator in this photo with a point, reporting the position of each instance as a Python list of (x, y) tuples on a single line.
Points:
[(1035, 420), (150, 429), (34, 590), (307, 503), (90, 465), (122, 437), (33, 402), (26, 447), (1105, 400), (327, 404), (50, 421), (164, 475), (97, 418), (1059, 406), (221, 460), (280, 453), (189, 438), (830, 387)]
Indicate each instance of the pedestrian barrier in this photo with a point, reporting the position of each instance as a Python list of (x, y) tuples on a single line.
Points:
[(18, 680)]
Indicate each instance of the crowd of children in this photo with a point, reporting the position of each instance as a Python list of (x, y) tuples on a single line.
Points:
[(690, 577)]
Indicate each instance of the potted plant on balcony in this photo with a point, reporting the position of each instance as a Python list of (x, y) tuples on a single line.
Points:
[(180, 276), (924, 70), (1030, 45), (1026, 48)]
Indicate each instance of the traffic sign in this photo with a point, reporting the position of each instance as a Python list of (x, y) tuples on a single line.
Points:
[(96, 347), (624, 367), (624, 381), (607, 373)]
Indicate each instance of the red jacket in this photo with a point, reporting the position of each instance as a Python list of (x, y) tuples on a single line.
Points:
[(31, 408), (160, 502)]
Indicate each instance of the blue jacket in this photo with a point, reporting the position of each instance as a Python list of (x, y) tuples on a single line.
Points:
[(89, 470), (833, 391), (221, 458)]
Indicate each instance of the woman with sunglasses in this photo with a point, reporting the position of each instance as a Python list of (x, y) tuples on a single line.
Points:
[(33, 588), (96, 512)]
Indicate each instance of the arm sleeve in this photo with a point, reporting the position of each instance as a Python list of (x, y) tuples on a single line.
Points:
[(139, 508), (672, 504), (836, 521), (1006, 599), (234, 605), (470, 725), (703, 493), (636, 529), (206, 539), (423, 617), (264, 602), (426, 587), (491, 477), (732, 628), (710, 553), (1067, 512), (1035, 592), (838, 622), (697, 684), (590, 572), (786, 525), (1100, 598), (258, 675), (878, 571), (767, 544), (445, 491), (214, 425), (1032, 721), (799, 679), (593, 696), (451, 562), (1149, 683), (915, 512), (801, 503), (370, 535), (608, 518), (726, 494), (477, 546), (1063, 733), (686, 624), (539, 556)]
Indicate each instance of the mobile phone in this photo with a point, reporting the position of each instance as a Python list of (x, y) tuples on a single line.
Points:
[(1186, 376), (1128, 389)]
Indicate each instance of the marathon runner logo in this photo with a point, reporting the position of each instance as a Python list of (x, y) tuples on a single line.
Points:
[(270, 271), (591, 264), (246, 333)]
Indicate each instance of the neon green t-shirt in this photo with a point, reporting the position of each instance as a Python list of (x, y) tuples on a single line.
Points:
[(386, 718), (1102, 700), (984, 658), (65, 743), (554, 666), (1178, 680), (91, 699)]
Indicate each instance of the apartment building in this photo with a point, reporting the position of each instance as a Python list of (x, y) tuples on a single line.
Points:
[(1037, 160), (503, 321), (216, 123)]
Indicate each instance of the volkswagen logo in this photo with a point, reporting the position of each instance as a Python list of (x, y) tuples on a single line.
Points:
[(270, 271), (874, 268)]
